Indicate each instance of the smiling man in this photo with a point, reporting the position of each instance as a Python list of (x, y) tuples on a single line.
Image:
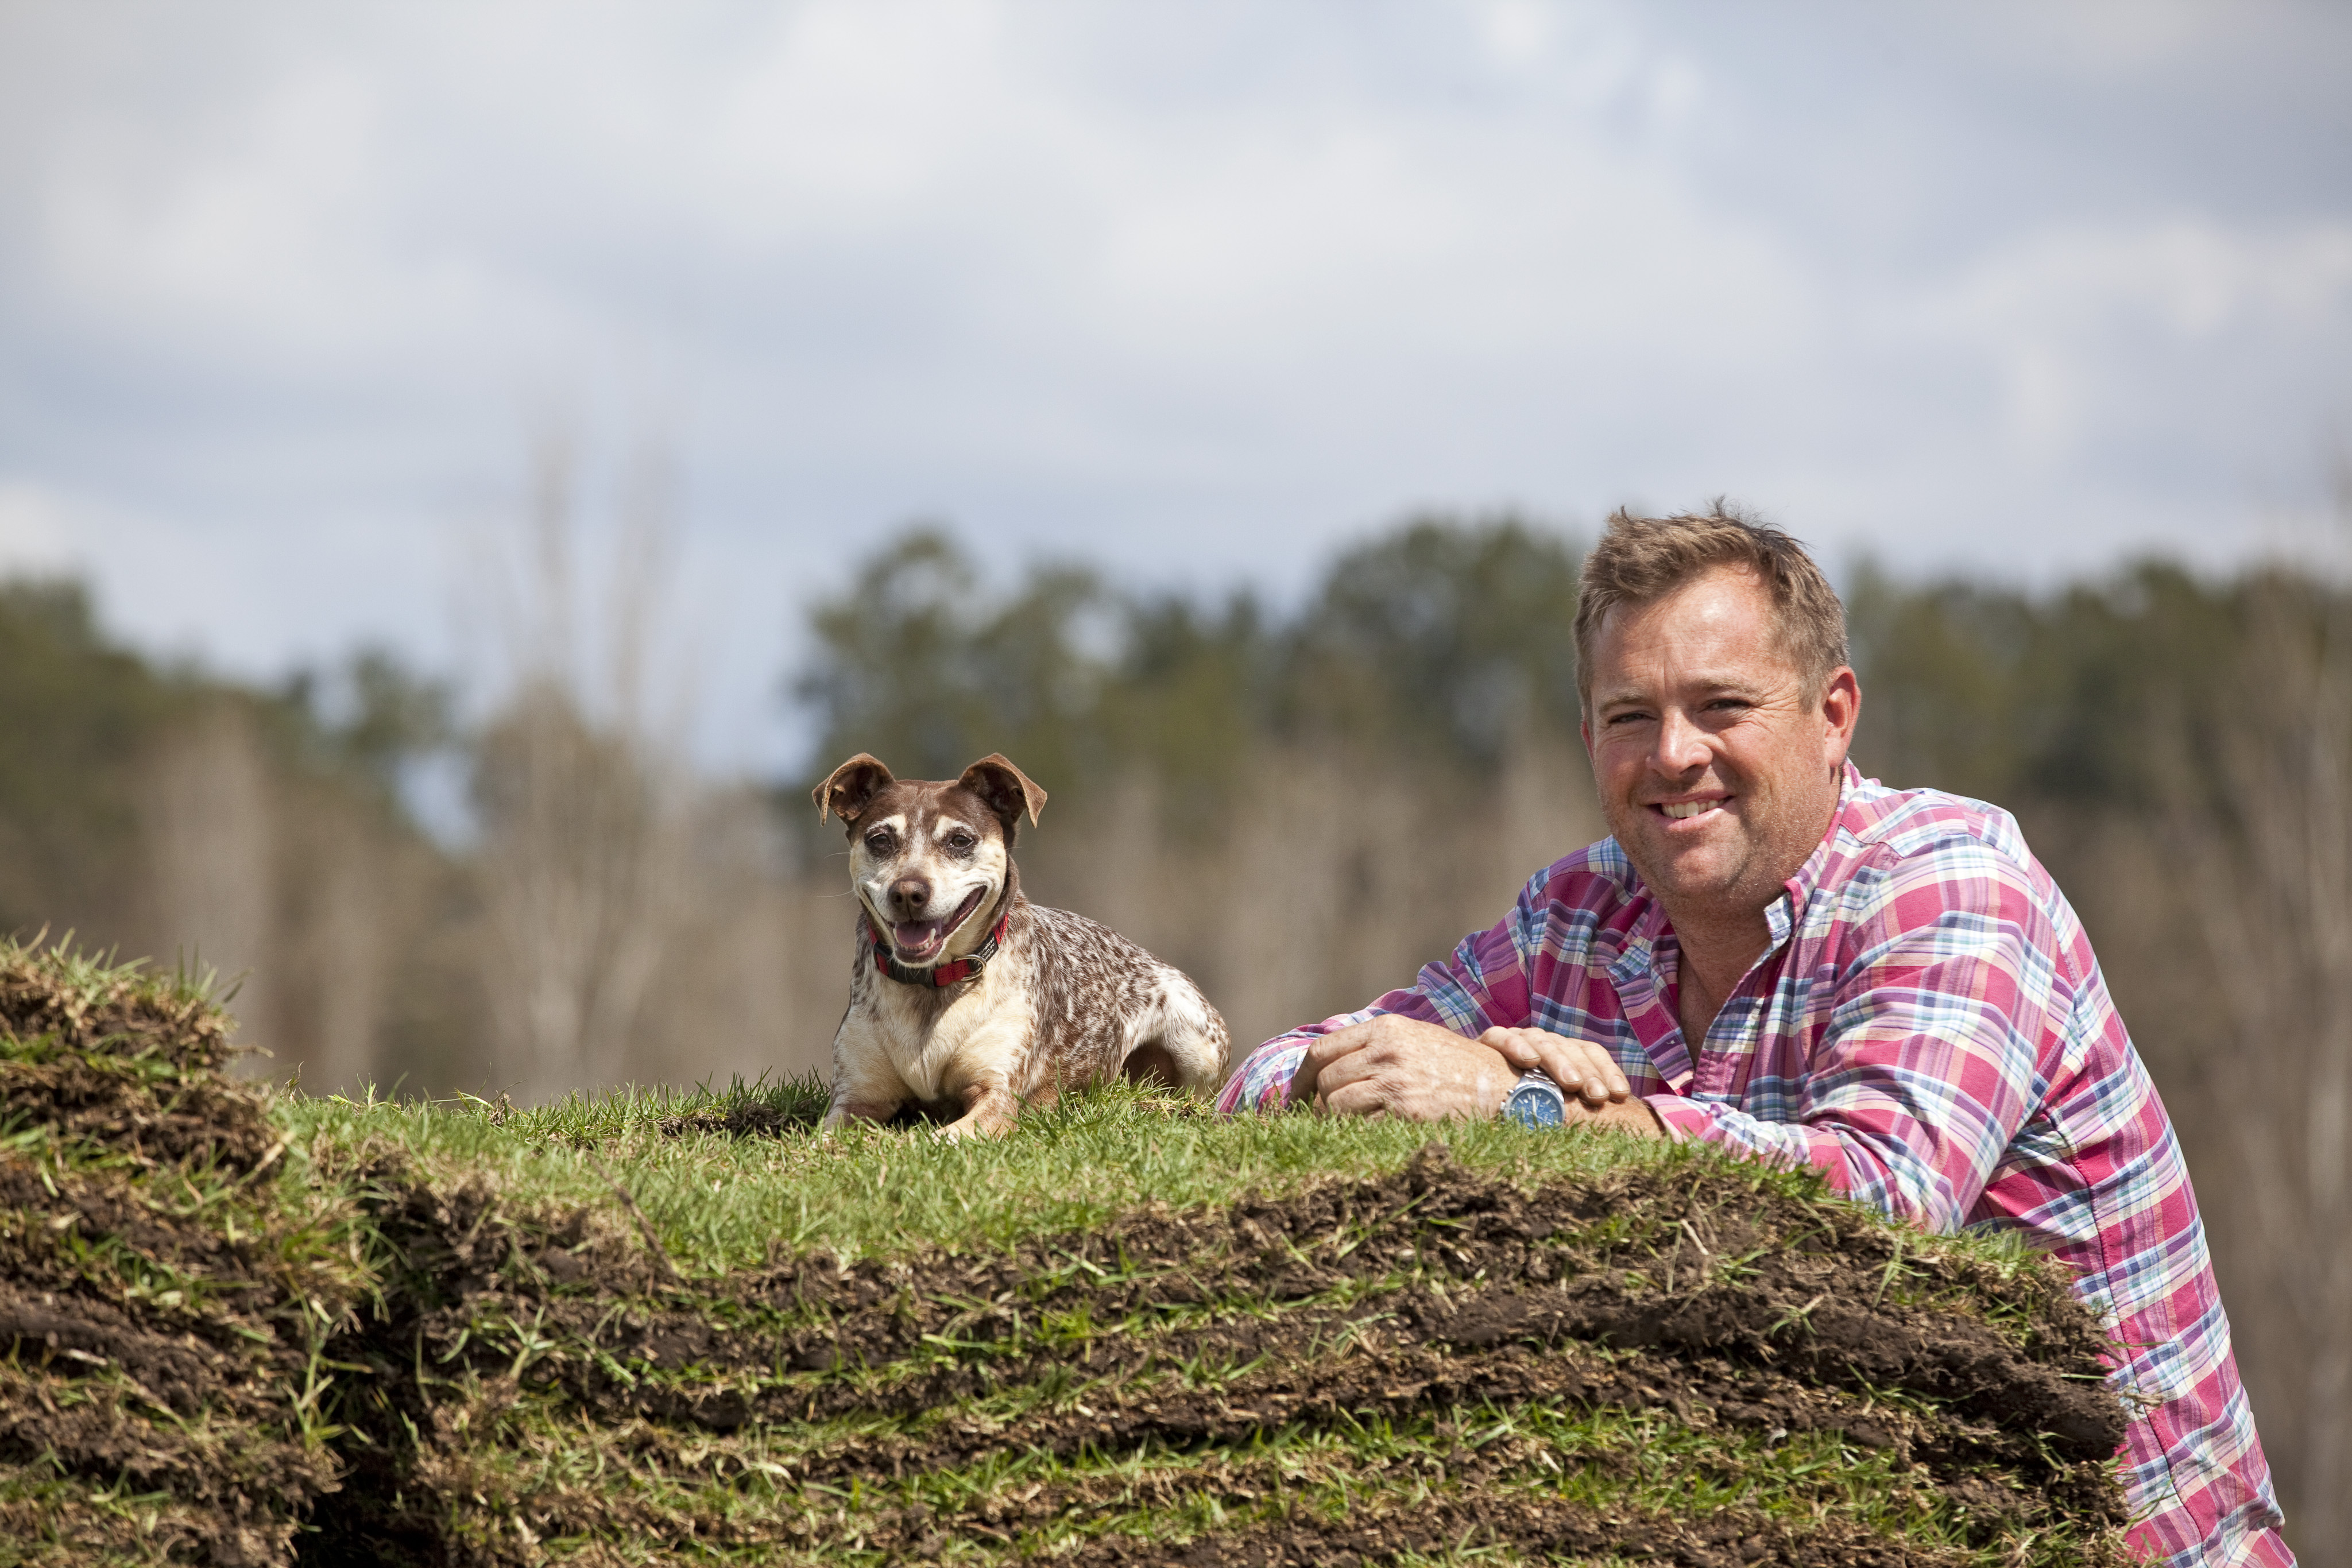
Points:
[(1774, 954)]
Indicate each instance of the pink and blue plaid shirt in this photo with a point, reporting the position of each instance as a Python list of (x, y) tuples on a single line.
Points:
[(1930, 1030)]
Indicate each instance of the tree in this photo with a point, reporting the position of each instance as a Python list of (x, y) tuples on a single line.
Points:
[(1460, 634), (2261, 815), (585, 809)]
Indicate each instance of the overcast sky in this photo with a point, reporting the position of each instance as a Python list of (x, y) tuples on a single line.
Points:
[(1201, 291)]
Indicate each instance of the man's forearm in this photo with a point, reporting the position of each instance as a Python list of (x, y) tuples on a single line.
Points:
[(1261, 1082)]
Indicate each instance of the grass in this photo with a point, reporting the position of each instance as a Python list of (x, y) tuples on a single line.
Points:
[(1619, 1463), (1129, 1329), (720, 1201)]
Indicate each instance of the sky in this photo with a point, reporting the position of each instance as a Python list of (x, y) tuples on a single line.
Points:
[(291, 295)]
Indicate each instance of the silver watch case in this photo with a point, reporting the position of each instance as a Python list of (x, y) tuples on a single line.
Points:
[(1535, 1100)]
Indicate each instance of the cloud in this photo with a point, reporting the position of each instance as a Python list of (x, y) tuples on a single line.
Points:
[(2077, 321), (1199, 289), (37, 537)]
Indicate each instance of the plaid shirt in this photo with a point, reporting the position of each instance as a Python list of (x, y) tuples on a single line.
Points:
[(1929, 1030)]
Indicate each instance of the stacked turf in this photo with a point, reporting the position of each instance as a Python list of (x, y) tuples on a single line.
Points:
[(654, 1330), (162, 1306)]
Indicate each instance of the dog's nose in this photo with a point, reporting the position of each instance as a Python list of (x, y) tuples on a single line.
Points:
[(910, 895)]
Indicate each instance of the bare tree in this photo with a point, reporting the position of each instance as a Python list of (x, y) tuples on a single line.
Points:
[(2261, 816), (208, 812), (584, 805)]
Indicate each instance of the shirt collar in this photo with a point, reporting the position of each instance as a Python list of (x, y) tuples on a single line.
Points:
[(1781, 915), (1634, 958)]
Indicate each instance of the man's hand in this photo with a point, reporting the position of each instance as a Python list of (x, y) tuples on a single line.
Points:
[(1577, 1066), (1397, 1066), (1587, 1074)]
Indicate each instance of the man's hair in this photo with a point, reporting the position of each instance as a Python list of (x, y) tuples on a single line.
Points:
[(1640, 560)]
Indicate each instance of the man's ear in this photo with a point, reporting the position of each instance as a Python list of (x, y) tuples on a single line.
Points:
[(1006, 788), (1840, 711), (851, 788)]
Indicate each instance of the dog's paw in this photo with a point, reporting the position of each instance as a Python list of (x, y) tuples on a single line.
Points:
[(841, 1117), (986, 1121)]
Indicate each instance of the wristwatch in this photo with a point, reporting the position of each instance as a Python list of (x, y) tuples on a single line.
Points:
[(1535, 1100)]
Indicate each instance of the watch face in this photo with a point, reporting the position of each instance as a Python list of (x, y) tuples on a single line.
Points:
[(1535, 1105)]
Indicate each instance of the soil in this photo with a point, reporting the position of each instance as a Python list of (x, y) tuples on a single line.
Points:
[(1712, 1311), (194, 1375), (151, 1344)]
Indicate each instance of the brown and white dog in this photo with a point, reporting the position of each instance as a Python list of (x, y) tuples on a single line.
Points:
[(965, 996)]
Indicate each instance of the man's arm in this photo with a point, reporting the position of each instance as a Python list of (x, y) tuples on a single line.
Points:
[(1483, 985), (1593, 1087), (1398, 1066)]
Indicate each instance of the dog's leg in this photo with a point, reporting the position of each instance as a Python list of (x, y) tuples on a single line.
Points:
[(841, 1112), (1184, 1046), (989, 1111), (865, 1086)]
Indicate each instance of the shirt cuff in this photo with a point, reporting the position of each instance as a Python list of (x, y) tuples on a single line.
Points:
[(1686, 1118), (1262, 1083), (1681, 1118)]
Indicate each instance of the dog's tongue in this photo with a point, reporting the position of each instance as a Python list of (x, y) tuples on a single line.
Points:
[(921, 938), (918, 937)]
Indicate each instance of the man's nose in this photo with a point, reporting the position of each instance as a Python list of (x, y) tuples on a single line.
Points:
[(1682, 745), (910, 896)]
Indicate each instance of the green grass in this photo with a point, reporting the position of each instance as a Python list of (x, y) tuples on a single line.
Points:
[(723, 1204), (720, 1201), (448, 1308)]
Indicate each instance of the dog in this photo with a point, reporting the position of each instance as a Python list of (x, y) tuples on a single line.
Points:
[(967, 997)]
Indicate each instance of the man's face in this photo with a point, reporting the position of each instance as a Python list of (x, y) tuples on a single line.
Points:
[(1716, 774)]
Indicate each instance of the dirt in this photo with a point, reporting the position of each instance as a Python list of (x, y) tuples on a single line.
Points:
[(135, 1072), (1546, 1525), (194, 1375), (155, 1350), (1714, 1310)]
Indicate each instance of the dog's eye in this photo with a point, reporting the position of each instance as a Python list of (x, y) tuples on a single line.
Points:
[(879, 840), (961, 841)]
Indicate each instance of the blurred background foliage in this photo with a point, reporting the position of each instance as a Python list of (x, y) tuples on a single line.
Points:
[(1443, 643), (1297, 803)]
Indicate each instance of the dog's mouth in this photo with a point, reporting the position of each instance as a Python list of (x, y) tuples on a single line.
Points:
[(918, 940)]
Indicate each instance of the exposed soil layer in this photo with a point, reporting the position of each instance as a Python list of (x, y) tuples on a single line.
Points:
[(211, 1361), (1434, 1300), (157, 1335), (1536, 1526)]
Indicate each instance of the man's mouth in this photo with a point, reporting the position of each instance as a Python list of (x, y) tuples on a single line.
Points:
[(917, 940), (1678, 810)]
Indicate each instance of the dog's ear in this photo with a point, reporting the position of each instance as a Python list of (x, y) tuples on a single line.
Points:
[(851, 788), (1006, 788)]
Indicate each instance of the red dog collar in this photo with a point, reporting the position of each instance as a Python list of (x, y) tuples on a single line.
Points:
[(938, 975)]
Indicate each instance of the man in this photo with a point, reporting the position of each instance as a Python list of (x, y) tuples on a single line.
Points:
[(1772, 952)]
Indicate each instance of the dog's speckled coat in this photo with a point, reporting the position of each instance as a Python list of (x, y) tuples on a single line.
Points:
[(1063, 1002)]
